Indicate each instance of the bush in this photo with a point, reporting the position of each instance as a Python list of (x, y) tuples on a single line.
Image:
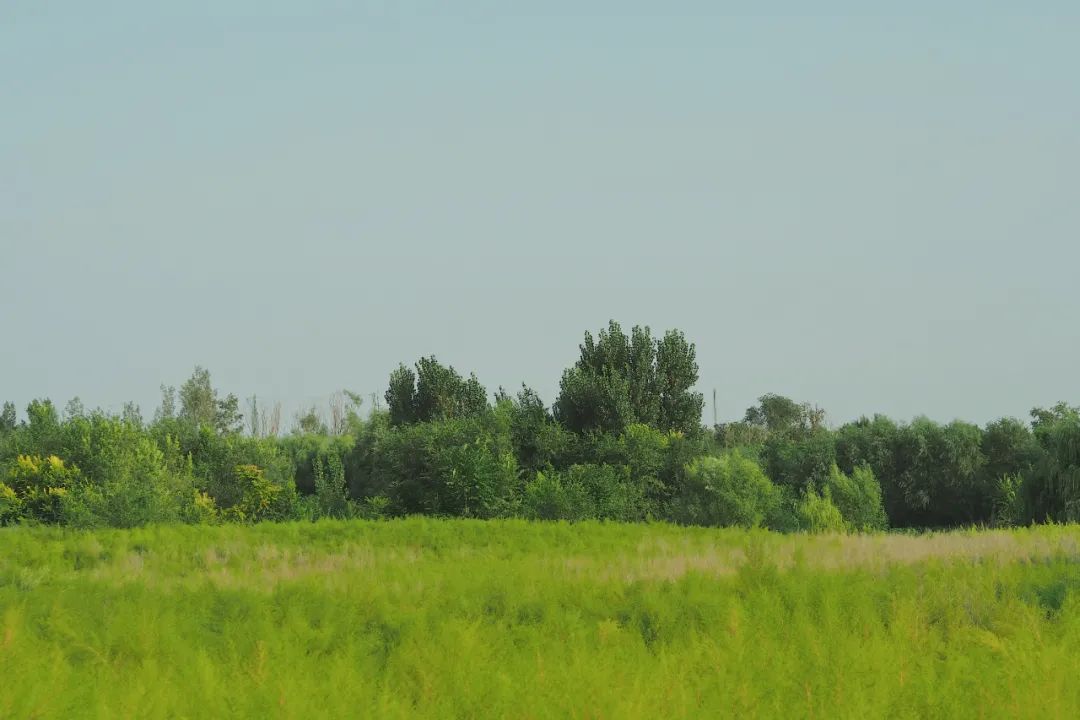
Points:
[(305, 452), (817, 514), (609, 492), (37, 489), (260, 498), (331, 494), (546, 497), (858, 498), (474, 479), (800, 464), (1052, 490), (728, 490), (10, 505), (137, 488), (1009, 506)]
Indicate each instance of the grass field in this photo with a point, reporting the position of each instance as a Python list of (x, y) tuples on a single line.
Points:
[(429, 618)]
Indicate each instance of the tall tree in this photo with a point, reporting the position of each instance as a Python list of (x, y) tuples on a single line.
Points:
[(620, 380), (784, 417), (434, 392), (200, 405), (167, 409), (197, 399), (401, 396), (8, 417), (676, 375)]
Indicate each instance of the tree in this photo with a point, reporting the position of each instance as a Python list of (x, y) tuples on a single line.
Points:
[(784, 417), (200, 405), (538, 440), (8, 417), (310, 422), (401, 396), (620, 380), (43, 428), (1052, 491), (1010, 449), (167, 409), (131, 413), (227, 415), (198, 399), (938, 479), (1043, 417), (802, 464), (728, 490), (676, 374), (858, 498), (433, 392), (74, 408)]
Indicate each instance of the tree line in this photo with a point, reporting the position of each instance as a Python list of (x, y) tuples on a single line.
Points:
[(623, 440)]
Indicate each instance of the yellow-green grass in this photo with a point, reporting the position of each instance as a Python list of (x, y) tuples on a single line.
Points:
[(453, 618)]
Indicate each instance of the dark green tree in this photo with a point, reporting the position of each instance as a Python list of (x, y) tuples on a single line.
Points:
[(784, 417), (619, 380), (401, 396), (8, 418), (200, 405), (434, 392), (676, 375)]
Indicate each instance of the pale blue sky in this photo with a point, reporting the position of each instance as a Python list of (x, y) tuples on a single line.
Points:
[(870, 211)]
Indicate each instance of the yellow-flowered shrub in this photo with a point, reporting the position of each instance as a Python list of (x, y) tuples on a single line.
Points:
[(261, 498), (37, 488), (10, 505)]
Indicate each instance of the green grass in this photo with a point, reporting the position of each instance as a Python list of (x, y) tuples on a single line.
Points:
[(430, 618)]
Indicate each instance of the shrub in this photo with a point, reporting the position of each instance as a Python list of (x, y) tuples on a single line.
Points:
[(38, 489), (474, 479), (132, 486), (800, 464), (728, 490), (375, 507), (858, 498), (546, 497), (817, 514), (609, 493), (260, 497), (201, 510), (331, 495), (1009, 505), (1052, 490), (10, 505)]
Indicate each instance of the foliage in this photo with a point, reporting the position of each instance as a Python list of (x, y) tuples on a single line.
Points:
[(623, 441), (260, 498), (548, 497), (538, 440), (37, 488), (433, 392), (1052, 490), (799, 463), (730, 490), (200, 404), (857, 497), (8, 418), (620, 380), (331, 491), (816, 513), (782, 417)]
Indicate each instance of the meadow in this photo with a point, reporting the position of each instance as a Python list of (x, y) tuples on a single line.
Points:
[(422, 617)]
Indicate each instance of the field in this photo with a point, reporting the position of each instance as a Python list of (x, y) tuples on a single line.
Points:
[(454, 618)]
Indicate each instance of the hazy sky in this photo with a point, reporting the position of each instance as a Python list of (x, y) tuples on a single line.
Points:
[(873, 212)]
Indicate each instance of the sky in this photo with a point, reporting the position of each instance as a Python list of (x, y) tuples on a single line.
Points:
[(870, 211)]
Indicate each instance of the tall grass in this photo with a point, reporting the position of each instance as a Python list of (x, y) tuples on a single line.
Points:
[(430, 618)]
